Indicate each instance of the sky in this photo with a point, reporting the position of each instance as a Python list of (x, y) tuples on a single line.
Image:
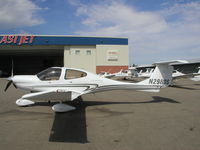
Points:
[(157, 30)]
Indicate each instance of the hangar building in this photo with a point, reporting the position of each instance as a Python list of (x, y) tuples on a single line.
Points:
[(30, 54)]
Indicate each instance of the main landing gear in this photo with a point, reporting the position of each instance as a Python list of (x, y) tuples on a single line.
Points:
[(62, 107), (24, 102)]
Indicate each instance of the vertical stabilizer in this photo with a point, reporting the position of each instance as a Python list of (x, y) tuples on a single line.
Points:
[(162, 74)]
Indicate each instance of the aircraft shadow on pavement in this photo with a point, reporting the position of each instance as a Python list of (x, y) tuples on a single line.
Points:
[(182, 87), (71, 127), (158, 99)]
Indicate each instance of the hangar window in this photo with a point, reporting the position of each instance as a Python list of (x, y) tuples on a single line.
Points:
[(72, 74), (77, 52), (88, 52), (50, 74)]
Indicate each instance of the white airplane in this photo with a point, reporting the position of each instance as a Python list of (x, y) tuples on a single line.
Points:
[(192, 76), (145, 74), (61, 84), (197, 76), (123, 74), (106, 75)]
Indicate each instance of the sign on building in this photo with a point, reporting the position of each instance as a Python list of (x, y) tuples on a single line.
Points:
[(112, 55)]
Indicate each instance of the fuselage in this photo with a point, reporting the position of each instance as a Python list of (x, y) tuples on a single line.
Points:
[(57, 78)]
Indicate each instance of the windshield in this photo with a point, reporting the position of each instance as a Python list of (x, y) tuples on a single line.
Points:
[(50, 74)]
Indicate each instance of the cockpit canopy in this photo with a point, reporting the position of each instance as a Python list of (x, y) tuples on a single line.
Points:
[(50, 74), (55, 73)]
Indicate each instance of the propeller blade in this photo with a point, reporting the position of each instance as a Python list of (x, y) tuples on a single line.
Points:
[(8, 84), (15, 86), (12, 69)]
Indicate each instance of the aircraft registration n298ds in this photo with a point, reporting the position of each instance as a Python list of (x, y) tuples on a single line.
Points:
[(67, 84)]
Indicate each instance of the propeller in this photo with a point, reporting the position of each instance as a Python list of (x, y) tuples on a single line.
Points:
[(10, 81)]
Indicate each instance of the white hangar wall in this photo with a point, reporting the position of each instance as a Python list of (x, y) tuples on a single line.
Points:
[(97, 58)]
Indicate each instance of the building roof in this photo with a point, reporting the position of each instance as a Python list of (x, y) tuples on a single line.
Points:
[(60, 40)]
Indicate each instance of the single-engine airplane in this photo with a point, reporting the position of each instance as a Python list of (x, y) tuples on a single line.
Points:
[(61, 84), (123, 74), (197, 76), (146, 74)]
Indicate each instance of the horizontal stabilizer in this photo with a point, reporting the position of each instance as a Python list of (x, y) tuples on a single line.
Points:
[(170, 62)]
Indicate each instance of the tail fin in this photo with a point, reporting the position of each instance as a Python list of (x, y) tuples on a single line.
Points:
[(162, 74)]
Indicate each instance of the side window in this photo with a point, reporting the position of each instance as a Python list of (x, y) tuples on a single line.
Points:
[(73, 74)]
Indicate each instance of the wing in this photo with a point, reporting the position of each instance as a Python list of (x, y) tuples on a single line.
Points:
[(60, 95)]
